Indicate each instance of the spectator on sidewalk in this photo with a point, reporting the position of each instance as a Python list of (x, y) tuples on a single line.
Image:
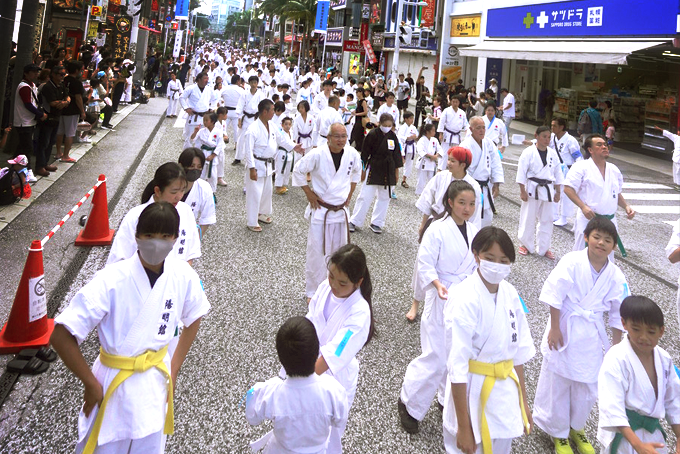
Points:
[(589, 121), (68, 121), (26, 111), (508, 108), (55, 99)]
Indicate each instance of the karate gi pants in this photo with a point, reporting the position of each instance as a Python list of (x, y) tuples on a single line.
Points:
[(408, 165), (316, 269), (535, 215), (424, 176), (676, 173), (258, 198), (212, 179), (427, 374), (151, 444), (561, 403), (172, 106), (366, 196), (240, 149), (283, 175), (487, 212), (418, 291), (498, 445), (188, 131), (127, 94), (564, 209)]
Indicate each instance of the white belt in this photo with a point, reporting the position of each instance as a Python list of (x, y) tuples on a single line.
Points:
[(591, 316)]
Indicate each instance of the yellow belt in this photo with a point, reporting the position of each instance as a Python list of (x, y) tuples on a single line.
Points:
[(503, 370), (128, 367)]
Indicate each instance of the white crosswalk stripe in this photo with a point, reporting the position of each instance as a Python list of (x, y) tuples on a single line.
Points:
[(655, 194), (652, 196)]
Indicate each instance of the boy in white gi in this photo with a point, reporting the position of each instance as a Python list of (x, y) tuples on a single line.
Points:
[(209, 139), (429, 154), (488, 342), (495, 128), (452, 126), (676, 153), (136, 306), (390, 108), (246, 110), (175, 90), (569, 151), (539, 176), (638, 385), (304, 399), (325, 119), (579, 290), (407, 135), (673, 253), (285, 160), (594, 186)]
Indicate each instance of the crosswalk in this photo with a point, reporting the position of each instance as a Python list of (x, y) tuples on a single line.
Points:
[(653, 199)]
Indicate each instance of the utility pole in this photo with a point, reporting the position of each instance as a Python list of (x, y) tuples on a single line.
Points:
[(29, 17), (8, 10)]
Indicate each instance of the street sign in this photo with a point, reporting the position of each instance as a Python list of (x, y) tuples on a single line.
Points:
[(96, 10), (168, 18)]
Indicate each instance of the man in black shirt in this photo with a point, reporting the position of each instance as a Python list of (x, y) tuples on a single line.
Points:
[(68, 121), (55, 99), (381, 157)]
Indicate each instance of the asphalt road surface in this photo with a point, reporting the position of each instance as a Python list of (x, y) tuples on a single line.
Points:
[(255, 281)]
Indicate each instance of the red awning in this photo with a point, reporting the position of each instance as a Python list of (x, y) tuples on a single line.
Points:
[(152, 30), (289, 38)]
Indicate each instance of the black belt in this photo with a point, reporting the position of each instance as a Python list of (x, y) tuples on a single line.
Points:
[(325, 137), (485, 184), (333, 208), (542, 184), (230, 108), (249, 115), (266, 160)]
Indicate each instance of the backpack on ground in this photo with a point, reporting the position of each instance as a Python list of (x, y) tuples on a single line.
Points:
[(7, 196)]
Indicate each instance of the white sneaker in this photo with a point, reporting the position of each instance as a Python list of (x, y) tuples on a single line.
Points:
[(30, 178)]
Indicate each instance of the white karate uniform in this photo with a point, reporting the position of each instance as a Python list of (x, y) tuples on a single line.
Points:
[(199, 101), (302, 409), (392, 110), (262, 144), (676, 155), (221, 146), (673, 244), (132, 318), (319, 104), (408, 149), (495, 130), (324, 120), (304, 94), (333, 187), (247, 104), (431, 201), (539, 208), (426, 167), (487, 169), (342, 333), (285, 162), (487, 328), (569, 151), (188, 244), (445, 255), (303, 131), (452, 124), (230, 97), (202, 202), (600, 194), (209, 142), (175, 90), (567, 385), (624, 384)]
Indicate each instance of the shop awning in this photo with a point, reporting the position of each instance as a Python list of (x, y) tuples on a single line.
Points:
[(606, 52)]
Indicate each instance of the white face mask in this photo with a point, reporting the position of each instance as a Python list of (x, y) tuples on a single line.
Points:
[(385, 129), (493, 272), (154, 250)]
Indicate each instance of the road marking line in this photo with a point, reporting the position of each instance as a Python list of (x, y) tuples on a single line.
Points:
[(644, 186), (651, 196), (657, 209), (509, 164)]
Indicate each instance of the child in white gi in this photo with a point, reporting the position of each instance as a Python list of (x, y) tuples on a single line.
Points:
[(208, 138), (343, 317), (488, 342), (136, 306), (539, 176), (285, 160), (198, 193), (452, 126), (676, 153), (638, 385), (583, 286), (444, 260), (407, 135), (304, 399), (429, 152), (673, 253), (175, 90), (303, 127), (222, 113)]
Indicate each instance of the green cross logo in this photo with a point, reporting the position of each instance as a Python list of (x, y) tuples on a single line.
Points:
[(528, 20)]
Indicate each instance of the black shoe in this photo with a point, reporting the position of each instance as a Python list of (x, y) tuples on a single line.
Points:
[(107, 126), (352, 228), (376, 229), (408, 422), (236, 162)]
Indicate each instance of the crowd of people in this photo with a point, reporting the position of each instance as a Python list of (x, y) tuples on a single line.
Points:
[(327, 136)]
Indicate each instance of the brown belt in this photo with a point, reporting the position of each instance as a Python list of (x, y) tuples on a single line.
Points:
[(333, 208)]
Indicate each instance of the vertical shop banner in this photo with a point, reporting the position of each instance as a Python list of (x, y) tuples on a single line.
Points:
[(494, 70), (365, 11), (182, 9), (369, 51), (122, 26), (178, 44), (428, 13), (363, 34), (376, 12), (321, 22)]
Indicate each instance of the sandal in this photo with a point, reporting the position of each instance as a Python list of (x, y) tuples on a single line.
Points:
[(263, 218), (522, 250), (43, 353), (254, 229), (33, 366), (550, 255), (404, 185), (69, 160)]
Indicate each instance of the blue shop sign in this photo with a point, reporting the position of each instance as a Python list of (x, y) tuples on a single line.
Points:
[(585, 18)]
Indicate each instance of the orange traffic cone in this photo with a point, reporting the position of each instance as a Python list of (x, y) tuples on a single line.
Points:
[(28, 325), (96, 231)]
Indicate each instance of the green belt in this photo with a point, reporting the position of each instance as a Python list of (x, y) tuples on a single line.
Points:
[(618, 240), (637, 421)]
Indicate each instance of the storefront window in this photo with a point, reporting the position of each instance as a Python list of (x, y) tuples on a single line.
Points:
[(564, 79)]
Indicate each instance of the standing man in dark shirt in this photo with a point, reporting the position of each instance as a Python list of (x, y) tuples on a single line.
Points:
[(55, 99), (68, 121), (381, 157)]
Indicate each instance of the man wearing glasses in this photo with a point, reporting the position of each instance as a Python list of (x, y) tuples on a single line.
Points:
[(335, 168)]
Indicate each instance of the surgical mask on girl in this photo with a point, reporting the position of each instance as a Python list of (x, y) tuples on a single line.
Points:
[(192, 175), (385, 129), (154, 250), (493, 272)]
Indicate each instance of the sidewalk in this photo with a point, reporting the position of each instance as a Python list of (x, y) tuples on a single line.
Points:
[(9, 212)]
